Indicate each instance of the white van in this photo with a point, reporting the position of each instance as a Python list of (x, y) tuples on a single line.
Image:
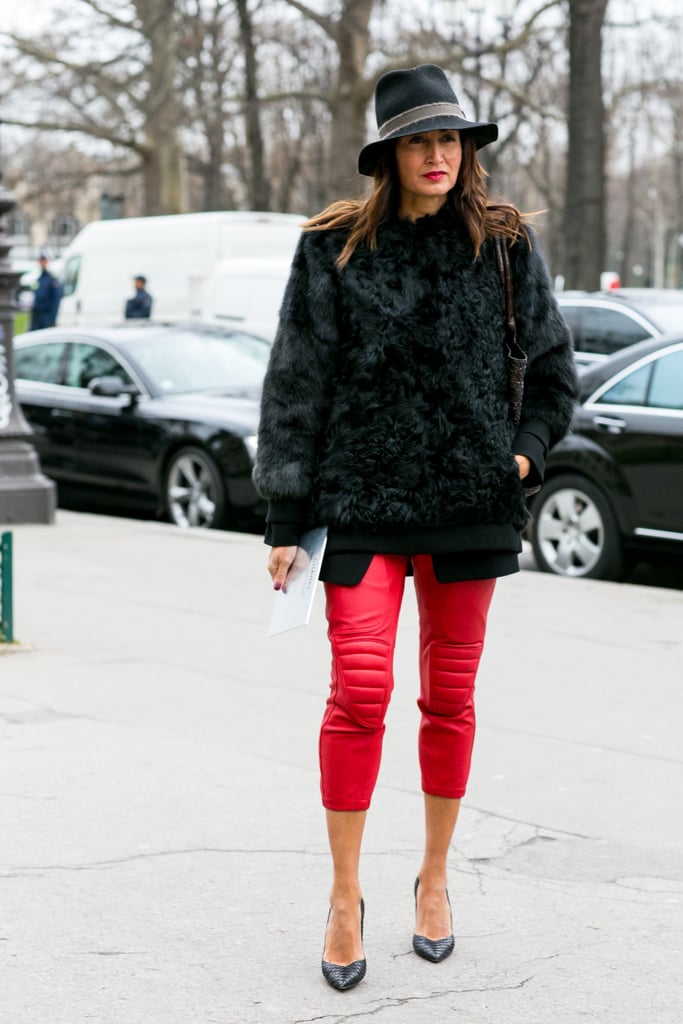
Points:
[(176, 254), (247, 294)]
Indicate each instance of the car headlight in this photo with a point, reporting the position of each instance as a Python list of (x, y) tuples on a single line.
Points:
[(251, 444)]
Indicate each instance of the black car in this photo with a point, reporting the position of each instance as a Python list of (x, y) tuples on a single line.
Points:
[(150, 417), (613, 488), (606, 322)]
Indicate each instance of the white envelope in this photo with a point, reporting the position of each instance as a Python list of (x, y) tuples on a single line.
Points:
[(293, 605)]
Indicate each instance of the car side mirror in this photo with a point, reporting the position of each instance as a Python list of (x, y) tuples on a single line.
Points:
[(112, 387)]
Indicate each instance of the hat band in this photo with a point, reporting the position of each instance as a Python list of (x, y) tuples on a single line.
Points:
[(415, 114)]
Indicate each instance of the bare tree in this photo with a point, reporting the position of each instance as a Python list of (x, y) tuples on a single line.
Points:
[(259, 186), (207, 52), (672, 93), (161, 151), (585, 189), (266, 105), (643, 89), (349, 31), (127, 99)]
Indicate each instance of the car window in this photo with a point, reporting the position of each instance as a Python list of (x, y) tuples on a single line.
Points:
[(571, 314), (40, 362), (607, 330), (630, 390), (86, 362), (666, 389), (572, 317), (70, 275)]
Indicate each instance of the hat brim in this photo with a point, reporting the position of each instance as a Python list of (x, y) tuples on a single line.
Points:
[(483, 133)]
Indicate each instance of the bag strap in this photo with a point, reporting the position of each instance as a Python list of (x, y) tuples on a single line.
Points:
[(503, 260), (515, 357)]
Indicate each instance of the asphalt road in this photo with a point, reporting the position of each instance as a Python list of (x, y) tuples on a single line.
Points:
[(163, 855)]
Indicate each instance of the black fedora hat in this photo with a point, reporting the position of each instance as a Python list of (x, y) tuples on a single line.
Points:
[(415, 100)]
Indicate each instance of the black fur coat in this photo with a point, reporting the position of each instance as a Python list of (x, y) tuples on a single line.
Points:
[(384, 406)]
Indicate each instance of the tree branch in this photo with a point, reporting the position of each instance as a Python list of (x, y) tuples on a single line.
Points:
[(322, 20), (91, 129), (109, 16)]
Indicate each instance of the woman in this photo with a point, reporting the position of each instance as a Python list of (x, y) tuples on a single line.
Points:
[(385, 418)]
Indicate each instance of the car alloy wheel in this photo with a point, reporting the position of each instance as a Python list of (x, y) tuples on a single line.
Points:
[(195, 494), (574, 532)]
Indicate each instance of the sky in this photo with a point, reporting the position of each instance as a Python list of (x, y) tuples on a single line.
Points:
[(27, 14)]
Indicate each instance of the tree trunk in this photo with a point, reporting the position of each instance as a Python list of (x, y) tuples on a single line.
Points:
[(214, 197), (630, 200), (162, 171), (585, 202), (258, 186), (675, 269), (163, 160), (349, 103)]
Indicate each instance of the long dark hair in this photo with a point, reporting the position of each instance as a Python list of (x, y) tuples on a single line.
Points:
[(469, 197)]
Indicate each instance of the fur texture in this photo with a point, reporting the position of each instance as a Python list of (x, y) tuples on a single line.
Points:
[(384, 405)]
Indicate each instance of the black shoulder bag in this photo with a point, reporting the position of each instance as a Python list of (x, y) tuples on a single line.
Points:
[(515, 357)]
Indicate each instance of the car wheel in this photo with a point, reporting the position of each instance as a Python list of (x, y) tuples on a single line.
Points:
[(574, 531), (194, 490)]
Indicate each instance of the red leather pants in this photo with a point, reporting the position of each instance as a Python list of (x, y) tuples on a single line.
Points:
[(362, 624)]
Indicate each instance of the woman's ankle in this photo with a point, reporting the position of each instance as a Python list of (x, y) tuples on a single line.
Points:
[(345, 895), (432, 877)]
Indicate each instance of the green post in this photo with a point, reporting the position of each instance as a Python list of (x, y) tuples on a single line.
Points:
[(6, 623)]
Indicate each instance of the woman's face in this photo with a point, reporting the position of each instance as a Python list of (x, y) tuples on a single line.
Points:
[(428, 165)]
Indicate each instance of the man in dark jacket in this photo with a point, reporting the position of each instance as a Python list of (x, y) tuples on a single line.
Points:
[(140, 306), (45, 298)]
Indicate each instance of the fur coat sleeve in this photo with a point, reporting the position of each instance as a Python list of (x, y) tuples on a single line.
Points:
[(550, 380), (297, 383)]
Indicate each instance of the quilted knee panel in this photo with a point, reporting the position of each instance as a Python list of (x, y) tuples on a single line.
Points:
[(364, 678), (448, 677)]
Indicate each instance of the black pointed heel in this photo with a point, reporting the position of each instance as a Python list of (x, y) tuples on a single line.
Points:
[(345, 976), (434, 950)]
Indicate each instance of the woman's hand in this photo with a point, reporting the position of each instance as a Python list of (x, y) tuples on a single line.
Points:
[(524, 466), (279, 564)]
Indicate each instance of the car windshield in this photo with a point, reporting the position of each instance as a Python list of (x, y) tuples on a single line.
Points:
[(206, 360)]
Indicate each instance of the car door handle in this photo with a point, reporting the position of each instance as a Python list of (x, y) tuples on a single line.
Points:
[(610, 423)]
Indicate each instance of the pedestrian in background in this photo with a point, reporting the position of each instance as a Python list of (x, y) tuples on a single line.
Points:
[(140, 306), (46, 297), (385, 417)]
